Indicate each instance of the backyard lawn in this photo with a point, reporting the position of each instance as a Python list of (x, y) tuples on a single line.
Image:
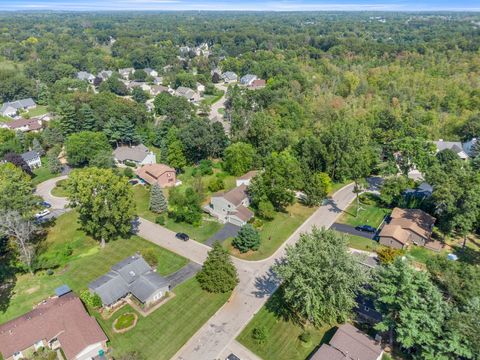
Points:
[(39, 110), (85, 263), (212, 99), (199, 233), (274, 233), (42, 173), (282, 342), (162, 333), (370, 213)]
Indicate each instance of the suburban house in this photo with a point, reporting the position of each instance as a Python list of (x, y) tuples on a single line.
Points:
[(231, 207), (229, 77), (349, 343), (160, 174), (24, 125), (125, 73), (406, 227), (187, 93), (130, 276), (32, 158), (11, 109), (455, 146), (158, 89), (58, 322), (140, 84), (158, 80), (85, 76), (138, 154), (257, 84), (248, 79), (246, 178), (105, 74), (151, 72)]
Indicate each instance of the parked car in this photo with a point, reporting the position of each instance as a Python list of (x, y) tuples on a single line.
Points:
[(366, 228), (133, 181), (45, 204), (182, 236), (42, 213)]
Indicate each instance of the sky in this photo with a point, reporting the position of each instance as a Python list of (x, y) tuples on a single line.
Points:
[(245, 5)]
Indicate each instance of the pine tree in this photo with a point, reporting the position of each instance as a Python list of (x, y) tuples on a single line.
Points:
[(89, 122), (43, 95), (53, 164), (175, 155), (68, 121), (247, 239), (158, 203), (218, 275), (37, 147)]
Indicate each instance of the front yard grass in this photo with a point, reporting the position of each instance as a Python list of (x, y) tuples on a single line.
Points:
[(42, 173), (274, 233), (85, 263), (39, 110), (212, 99), (199, 233), (282, 342), (60, 189), (162, 333), (361, 243), (371, 212)]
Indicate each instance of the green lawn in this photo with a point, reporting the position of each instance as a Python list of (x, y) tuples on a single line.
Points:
[(221, 111), (161, 334), (199, 233), (42, 173), (85, 263), (39, 110), (274, 233), (60, 189), (282, 341), (370, 213), (361, 243), (124, 321), (338, 186), (212, 99)]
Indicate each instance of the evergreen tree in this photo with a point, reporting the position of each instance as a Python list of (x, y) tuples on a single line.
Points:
[(247, 239), (89, 122), (37, 147), (53, 164), (68, 121), (158, 203), (175, 155), (218, 275), (43, 95), (22, 140)]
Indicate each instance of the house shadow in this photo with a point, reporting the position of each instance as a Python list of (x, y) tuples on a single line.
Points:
[(325, 340), (7, 275)]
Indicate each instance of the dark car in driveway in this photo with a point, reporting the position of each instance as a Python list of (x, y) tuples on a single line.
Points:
[(182, 236), (366, 228)]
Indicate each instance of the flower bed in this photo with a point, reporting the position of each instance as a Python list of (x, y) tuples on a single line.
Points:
[(125, 322)]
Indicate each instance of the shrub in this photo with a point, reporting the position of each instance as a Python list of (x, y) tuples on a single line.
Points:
[(150, 257), (130, 163), (160, 220), (305, 337), (128, 172), (266, 210), (49, 272), (386, 255), (68, 251), (216, 184), (92, 300), (205, 167), (257, 223), (260, 334), (247, 239)]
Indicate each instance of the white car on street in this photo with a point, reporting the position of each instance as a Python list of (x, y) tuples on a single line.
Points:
[(42, 213)]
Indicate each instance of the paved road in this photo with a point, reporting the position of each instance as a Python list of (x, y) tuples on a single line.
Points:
[(256, 285), (44, 190), (348, 229), (214, 109), (228, 230)]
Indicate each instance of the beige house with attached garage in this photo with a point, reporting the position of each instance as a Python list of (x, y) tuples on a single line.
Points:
[(138, 154), (406, 227), (231, 207), (160, 174), (56, 323)]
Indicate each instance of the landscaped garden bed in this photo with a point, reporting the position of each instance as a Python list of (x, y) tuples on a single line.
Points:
[(125, 322)]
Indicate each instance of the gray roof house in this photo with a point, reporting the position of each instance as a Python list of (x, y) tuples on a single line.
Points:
[(125, 73), (455, 146), (32, 158), (11, 108), (85, 76), (349, 343), (187, 93), (138, 154), (231, 207), (248, 79), (151, 72), (105, 74), (229, 76), (130, 276)]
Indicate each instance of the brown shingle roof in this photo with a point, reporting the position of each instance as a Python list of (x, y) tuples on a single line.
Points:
[(396, 232), (64, 318), (237, 195), (242, 213), (151, 172), (415, 220), (32, 124), (248, 175)]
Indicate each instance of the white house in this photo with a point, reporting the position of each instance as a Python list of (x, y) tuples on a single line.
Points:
[(151, 72), (139, 154), (231, 207), (229, 77), (126, 72), (32, 158), (248, 79), (246, 178), (455, 146), (12, 108), (85, 76)]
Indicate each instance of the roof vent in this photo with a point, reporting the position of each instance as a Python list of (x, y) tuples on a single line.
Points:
[(132, 273)]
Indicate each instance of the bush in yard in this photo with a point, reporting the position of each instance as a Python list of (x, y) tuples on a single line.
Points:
[(130, 163), (266, 210), (205, 167), (158, 203), (92, 300), (150, 257), (128, 172), (305, 337), (260, 334), (247, 239), (218, 275), (386, 255), (216, 184), (160, 220)]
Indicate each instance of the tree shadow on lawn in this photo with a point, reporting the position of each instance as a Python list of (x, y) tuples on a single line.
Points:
[(467, 254), (8, 271), (325, 340)]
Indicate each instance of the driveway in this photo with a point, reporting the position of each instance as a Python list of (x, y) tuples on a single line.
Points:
[(44, 190), (348, 229), (183, 274), (227, 231), (215, 114)]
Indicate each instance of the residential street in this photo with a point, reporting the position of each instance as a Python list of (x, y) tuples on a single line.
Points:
[(214, 109), (257, 283)]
